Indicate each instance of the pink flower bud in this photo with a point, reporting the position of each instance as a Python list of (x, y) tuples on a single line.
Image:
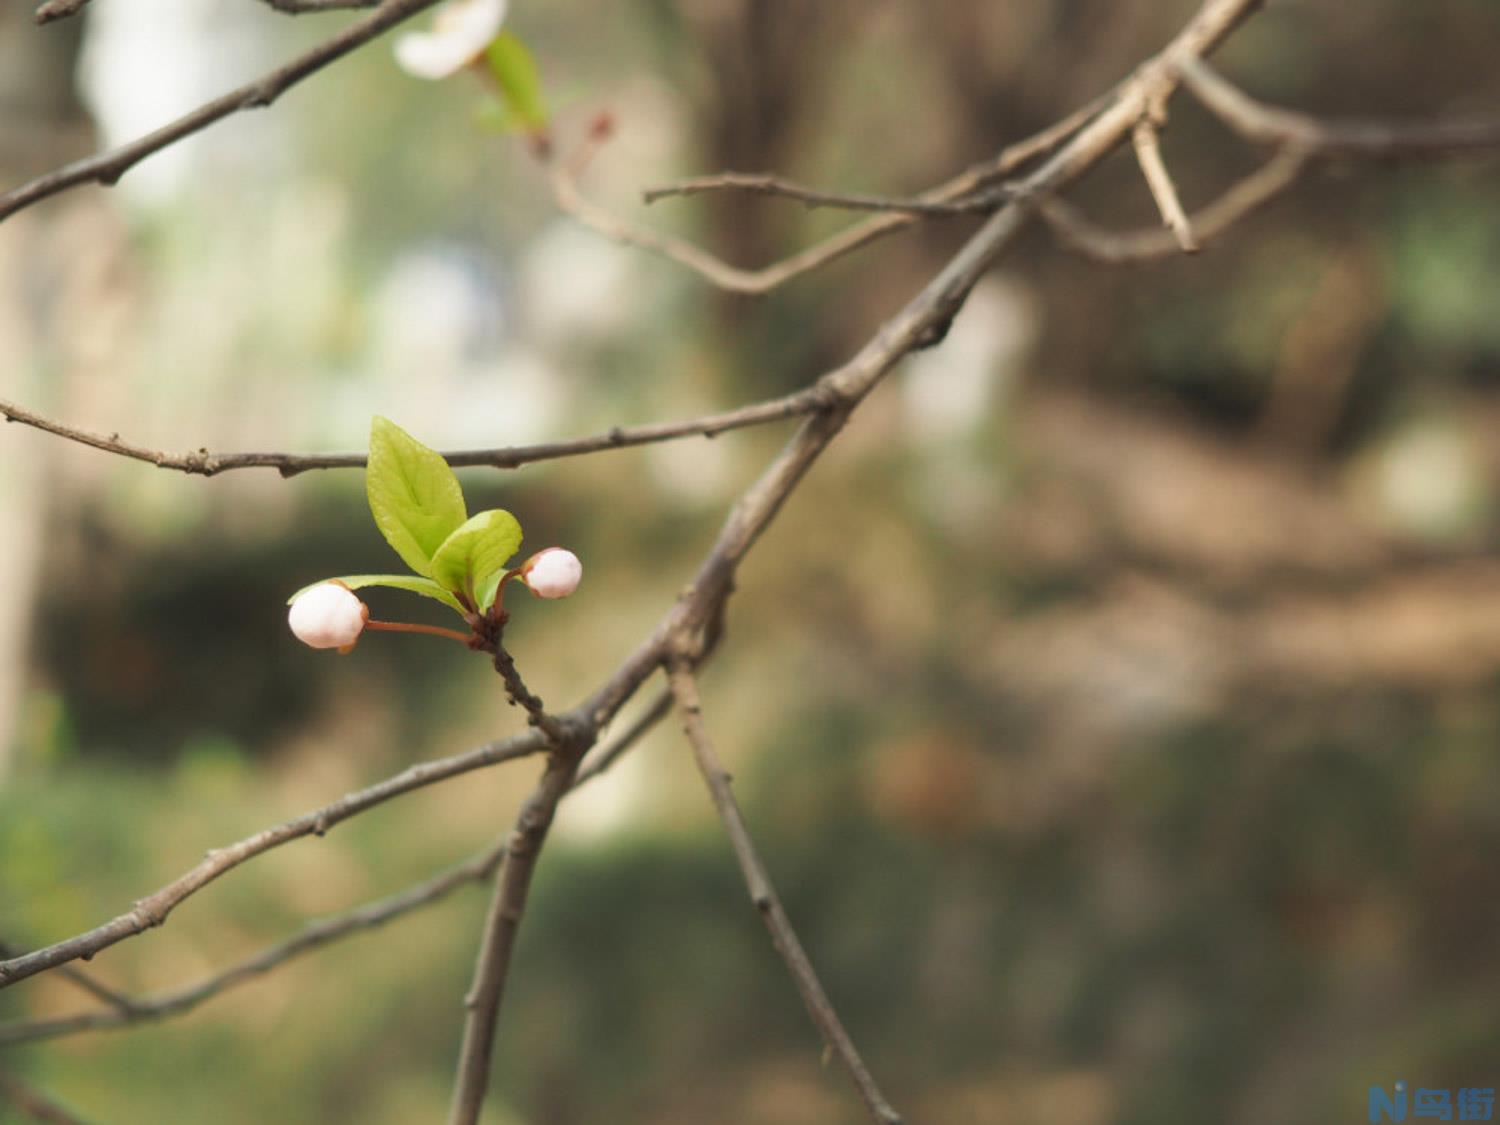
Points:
[(553, 573), (328, 616)]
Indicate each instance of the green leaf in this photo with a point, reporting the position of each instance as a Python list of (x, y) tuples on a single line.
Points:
[(476, 550), (486, 589), (424, 586), (414, 496), (515, 73)]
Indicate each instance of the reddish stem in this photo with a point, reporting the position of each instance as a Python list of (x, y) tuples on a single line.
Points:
[(407, 627), (497, 607)]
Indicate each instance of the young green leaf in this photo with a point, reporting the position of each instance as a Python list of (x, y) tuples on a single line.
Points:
[(414, 496), (515, 73), (424, 586), (476, 550), (486, 589)]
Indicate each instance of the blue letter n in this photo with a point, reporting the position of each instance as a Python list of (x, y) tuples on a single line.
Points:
[(1383, 1108)]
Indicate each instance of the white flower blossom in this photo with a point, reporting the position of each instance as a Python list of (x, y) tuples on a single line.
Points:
[(461, 32), (328, 616), (553, 573)]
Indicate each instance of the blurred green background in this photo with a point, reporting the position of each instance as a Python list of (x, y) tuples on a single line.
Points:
[(1116, 703)]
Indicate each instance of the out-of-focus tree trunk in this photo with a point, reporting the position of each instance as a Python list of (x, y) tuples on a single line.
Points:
[(42, 123)]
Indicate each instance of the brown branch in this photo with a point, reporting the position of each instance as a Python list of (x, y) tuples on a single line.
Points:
[(521, 696), (508, 906), (106, 168), (204, 463), (94, 987), (58, 10), (607, 755), (153, 910), (1265, 124), (1159, 180), (163, 1005), (756, 282), (33, 1103), (567, 745), (767, 902), (1077, 233), (302, 7), (756, 183), (129, 1010), (502, 925)]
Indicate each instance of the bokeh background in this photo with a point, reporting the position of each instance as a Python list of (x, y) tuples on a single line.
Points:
[(1116, 703)]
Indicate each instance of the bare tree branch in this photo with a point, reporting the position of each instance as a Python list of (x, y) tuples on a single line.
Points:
[(757, 282), (58, 9), (508, 904), (1265, 124), (767, 902), (166, 1004), (606, 756), (1159, 180), (555, 731), (94, 987), (758, 183), (106, 168), (1077, 233), (128, 1010), (207, 464), (302, 7), (153, 910)]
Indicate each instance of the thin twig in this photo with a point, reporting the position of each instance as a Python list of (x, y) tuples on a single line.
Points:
[(33, 1103), (166, 1004), (757, 282), (203, 463), (88, 983), (767, 902), (106, 168), (502, 925), (130, 1010), (1163, 190), (153, 910), (302, 7), (1266, 124), (1077, 233), (58, 10), (508, 906), (522, 696), (606, 755), (757, 183)]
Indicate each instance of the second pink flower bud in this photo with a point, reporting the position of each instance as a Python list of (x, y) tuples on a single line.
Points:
[(553, 573)]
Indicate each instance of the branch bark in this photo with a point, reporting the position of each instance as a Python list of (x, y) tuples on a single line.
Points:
[(106, 168), (315, 936), (503, 924), (128, 1009), (763, 895), (1075, 232), (1265, 124), (757, 282), (1163, 190), (58, 10), (153, 910), (204, 463)]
